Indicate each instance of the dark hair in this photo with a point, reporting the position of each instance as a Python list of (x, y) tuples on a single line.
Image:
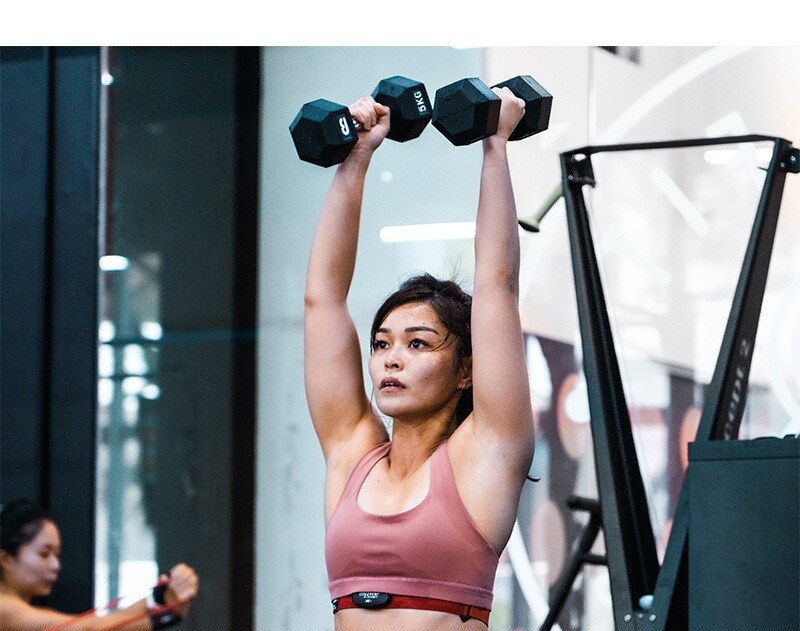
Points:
[(20, 523), (452, 305)]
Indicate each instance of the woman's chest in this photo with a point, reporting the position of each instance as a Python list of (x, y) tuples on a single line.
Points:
[(383, 494)]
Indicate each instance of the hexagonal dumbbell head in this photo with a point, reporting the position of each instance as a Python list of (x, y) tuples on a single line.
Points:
[(323, 133), (538, 102), (466, 111), (409, 103)]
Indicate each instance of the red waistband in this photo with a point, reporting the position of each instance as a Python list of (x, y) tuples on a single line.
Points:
[(419, 602)]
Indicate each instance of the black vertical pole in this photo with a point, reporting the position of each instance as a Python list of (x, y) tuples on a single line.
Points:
[(632, 560), (245, 294), (722, 413)]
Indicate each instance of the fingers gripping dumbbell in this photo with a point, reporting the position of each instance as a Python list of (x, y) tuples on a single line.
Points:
[(324, 133), (467, 111)]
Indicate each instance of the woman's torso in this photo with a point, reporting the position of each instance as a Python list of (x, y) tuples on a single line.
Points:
[(467, 560)]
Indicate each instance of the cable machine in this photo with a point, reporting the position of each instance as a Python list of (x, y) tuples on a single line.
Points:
[(646, 595)]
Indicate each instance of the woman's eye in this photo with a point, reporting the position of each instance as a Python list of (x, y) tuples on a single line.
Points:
[(417, 344), (380, 344)]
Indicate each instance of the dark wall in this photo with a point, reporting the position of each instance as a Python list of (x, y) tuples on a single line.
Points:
[(49, 295), (181, 190)]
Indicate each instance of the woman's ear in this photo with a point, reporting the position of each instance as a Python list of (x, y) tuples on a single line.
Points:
[(465, 373)]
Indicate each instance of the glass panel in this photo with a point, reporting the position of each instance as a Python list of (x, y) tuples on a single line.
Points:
[(128, 367), (166, 312), (670, 229)]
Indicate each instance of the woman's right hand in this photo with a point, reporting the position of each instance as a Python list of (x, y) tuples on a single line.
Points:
[(181, 588), (374, 120)]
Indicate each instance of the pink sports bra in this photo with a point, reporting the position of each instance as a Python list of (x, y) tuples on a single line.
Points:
[(433, 550)]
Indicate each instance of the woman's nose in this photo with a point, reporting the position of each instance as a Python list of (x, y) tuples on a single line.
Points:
[(393, 357)]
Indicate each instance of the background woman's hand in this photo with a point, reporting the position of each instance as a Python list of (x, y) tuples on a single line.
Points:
[(512, 109), (374, 119), (181, 588)]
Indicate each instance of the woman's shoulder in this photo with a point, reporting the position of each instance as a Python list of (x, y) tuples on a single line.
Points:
[(346, 459), (7, 600), (10, 606), (16, 614)]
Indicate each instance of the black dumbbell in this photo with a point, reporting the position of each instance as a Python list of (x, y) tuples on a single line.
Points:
[(467, 111), (324, 133)]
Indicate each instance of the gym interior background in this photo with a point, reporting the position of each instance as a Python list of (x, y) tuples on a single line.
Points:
[(172, 376)]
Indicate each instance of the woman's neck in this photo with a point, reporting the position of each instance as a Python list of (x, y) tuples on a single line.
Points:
[(414, 442)]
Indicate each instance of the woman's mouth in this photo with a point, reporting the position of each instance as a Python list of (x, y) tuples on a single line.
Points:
[(391, 385)]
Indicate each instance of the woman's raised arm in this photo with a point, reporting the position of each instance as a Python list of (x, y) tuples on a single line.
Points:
[(339, 406), (503, 418)]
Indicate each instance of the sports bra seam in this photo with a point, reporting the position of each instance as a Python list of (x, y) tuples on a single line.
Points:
[(410, 579)]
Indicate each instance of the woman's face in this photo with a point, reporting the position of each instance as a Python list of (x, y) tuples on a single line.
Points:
[(413, 363), (33, 571)]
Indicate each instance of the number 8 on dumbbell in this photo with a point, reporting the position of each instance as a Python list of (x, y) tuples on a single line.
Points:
[(345, 127), (324, 133)]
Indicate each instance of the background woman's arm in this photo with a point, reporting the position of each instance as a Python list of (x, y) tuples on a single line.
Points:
[(16, 615)]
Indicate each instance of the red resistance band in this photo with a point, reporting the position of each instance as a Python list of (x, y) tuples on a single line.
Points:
[(419, 602), (161, 609), (171, 619)]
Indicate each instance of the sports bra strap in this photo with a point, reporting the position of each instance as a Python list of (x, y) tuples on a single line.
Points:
[(362, 469)]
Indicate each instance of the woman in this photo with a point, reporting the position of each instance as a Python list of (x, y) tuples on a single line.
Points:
[(30, 553), (415, 525)]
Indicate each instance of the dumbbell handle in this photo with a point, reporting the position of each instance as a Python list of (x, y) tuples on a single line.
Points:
[(356, 125)]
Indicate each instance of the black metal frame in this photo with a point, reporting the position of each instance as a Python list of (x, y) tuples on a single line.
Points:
[(631, 553), (581, 555), (243, 435)]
